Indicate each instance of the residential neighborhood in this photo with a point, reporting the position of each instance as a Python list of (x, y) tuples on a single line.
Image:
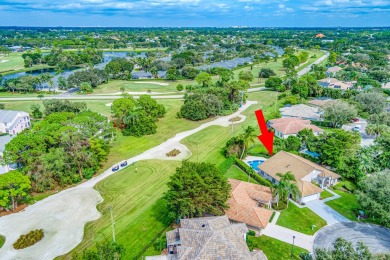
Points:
[(194, 130)]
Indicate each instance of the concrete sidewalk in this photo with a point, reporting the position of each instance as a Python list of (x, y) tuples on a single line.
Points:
[(286, 235)]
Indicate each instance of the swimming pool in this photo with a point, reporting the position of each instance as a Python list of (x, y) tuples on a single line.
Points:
[(255, 164)]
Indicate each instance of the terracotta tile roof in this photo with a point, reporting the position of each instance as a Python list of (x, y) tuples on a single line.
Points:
[(244, 203), (294, 126), (283, 162), (212, 238)]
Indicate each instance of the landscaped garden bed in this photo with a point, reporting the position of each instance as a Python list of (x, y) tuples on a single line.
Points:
[(29, 239), (173, 153)]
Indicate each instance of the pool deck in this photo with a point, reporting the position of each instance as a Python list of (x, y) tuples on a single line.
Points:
[(254, 158)]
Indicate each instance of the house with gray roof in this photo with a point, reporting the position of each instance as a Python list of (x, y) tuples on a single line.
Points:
[(302, 111), (209, 238), (13, 122)]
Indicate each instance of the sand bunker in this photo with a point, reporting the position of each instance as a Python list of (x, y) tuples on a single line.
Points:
[(151, 82)]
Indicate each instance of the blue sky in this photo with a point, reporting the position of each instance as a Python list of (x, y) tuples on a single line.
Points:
[(259, 13)]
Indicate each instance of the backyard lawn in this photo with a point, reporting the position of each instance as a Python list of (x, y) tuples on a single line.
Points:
[(236, 173), (326, 194), (275, 249), (136, 200), (300, 219), (347, 205)]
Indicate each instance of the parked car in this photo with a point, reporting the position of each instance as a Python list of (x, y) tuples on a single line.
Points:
[(356, 128), (124, 163), (355, 120), (115, 168)]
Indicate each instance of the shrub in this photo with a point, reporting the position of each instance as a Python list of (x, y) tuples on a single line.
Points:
[(173, 153), (160, 243), (235, 119), (282, 205), (225, 166), (248, 170), (251, 233), (30, 239), (179, 87)]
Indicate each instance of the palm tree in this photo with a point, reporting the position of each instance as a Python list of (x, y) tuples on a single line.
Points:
[(287, 186), (249, 137)]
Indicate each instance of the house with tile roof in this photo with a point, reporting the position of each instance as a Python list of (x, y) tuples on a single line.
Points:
[(310, 177), (335, 84), (290, 126), (249, 203), (301, 111), (13, 122), (209, 238)]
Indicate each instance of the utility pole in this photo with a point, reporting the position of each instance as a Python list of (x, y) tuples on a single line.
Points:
[(112, 224)]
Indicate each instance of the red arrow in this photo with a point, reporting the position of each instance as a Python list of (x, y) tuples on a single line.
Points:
[(266, 137)]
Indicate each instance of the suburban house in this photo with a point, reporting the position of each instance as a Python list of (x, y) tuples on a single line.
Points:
[(321, 102), (301, 111), (13, 122), (335, 84), (209, 238), (147, 75), (290, 126), (249, 203), (310, 177), (333, 70)]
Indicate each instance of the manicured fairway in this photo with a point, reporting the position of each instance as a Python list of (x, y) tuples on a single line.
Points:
[(11, 61), (138, 210), (275, 249), (300, 219), (207, 145)]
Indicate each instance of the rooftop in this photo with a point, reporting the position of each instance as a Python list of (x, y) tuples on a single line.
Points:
[(300, 167), (244, 201), (293, 125), (301, 111), (211, 238)]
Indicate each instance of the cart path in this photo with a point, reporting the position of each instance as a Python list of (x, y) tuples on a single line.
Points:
[(63, 216)]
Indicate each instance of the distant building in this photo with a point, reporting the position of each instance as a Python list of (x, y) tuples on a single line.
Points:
[(320, 35), (301, 111), (307, 174), (13, 122), (208, 238), (335, 84), (249, 203), (333, 70), (290, 126)]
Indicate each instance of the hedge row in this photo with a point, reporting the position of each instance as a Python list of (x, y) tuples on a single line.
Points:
[(225, 166), (254, 175)]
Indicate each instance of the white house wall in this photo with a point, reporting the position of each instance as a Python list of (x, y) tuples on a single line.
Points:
[(311, 175), (310, 197)]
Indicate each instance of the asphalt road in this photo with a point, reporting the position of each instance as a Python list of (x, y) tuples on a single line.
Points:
[(376, 238)]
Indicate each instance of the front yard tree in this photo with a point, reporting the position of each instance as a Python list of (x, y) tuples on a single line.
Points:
[(196, 189), (371, 102), (374, 197), (14, 186), (287, 186), (342, 249), (339, 113)]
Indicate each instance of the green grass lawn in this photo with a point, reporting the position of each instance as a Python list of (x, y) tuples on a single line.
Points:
[(139, 210), (236, 173), (207, 145), (326, 194), (347, 205), (275, 249), (2, 241), (13, 61), (300, 219)]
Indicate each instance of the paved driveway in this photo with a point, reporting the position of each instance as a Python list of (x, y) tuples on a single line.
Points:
[(327, 213), (375, 237)]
